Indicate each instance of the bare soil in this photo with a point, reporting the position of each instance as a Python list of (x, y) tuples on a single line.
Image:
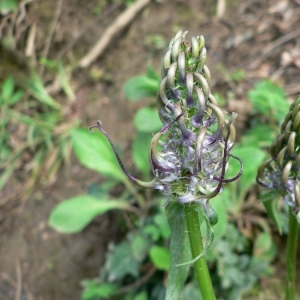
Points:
[(260, 37)]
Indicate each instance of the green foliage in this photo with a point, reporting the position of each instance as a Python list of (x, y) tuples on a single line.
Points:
[(73, 215), (34, 133), (147, 120), (94, 152), (141, 152), (141, 87), (8, 6), (238, 260), (121, 261), (270, 201), (94, 290), (160, 256), (269, 99), (37, 89)]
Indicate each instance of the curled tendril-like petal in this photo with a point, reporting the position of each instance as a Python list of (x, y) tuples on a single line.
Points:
[(143, 184)]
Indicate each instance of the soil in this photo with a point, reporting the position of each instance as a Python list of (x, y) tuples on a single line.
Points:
[(260, 37)]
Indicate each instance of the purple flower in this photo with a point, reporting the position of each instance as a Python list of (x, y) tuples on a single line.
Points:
[(190, 155)]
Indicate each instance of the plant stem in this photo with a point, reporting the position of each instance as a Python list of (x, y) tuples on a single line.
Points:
[(134, 192), (291, 256), (200, 265)]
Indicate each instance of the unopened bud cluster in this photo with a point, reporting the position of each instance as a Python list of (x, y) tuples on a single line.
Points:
[(189, 162), (282, 171)]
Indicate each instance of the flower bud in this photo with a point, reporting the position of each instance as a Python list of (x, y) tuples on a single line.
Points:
[(282, 171), (190, 157)]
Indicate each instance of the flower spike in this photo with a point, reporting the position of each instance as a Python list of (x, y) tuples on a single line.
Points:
[(281, 172)]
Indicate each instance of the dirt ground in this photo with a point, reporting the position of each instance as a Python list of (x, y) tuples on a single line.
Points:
[(260, 37)]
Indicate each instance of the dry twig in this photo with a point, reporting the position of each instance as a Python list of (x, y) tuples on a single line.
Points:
[(273, 45), (19, 280), (122, 21), (71, 44), (51, 33)]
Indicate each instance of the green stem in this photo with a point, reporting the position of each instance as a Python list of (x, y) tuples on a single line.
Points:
[(291, 256), (195, 237), (134, 192)]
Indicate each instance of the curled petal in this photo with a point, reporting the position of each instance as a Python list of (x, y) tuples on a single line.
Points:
[(181, 67), (189, 89), (203, 84), (143, 184), (171, 81)]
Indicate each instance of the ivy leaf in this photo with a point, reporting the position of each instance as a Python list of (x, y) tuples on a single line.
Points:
[(95, 290), (74, 214), (179, 250), (95, 153), (121, 261)]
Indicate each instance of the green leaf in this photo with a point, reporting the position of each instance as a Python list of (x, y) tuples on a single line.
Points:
[(121, 261), (163, 224), (179, 249), (74, 214), (37, 89), (141, 87), (8, 172), (260, 135), (16, 97), (141, 148), (221, 204), (151, 73), (95, 153), (160, 256), (191, 291), (147, 120), (101, 190), (140, 247), (7, 89), (264, 247), (270, 201), (269, 98), (298, 217), (252, 158), (93, 290), (153, 231), (7, 6), (141, 296), (65, 82)]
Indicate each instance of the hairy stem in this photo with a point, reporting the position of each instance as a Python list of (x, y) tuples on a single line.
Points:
[(200, 265), (291, 256)]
